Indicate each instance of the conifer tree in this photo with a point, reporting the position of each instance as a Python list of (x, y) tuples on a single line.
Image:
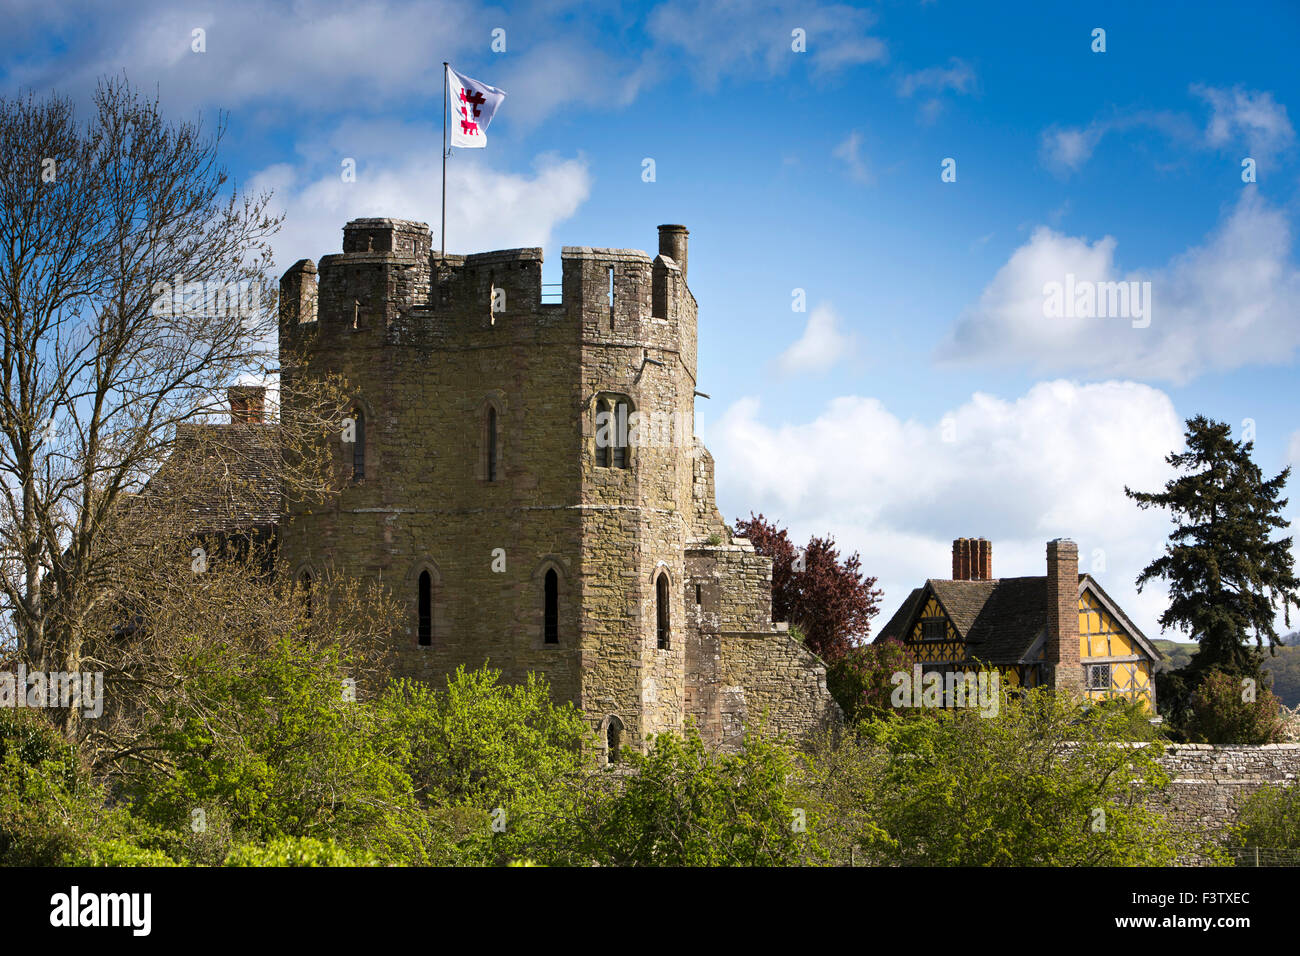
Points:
[(1227, 576)]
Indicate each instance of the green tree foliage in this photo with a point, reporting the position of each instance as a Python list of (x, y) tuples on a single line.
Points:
[(860, 680), (51, 814), (297, 851), (1042, 784), (498, 768), (1227, 576), (1226, 710), (1270, 817), (276, 744), (681, 805)]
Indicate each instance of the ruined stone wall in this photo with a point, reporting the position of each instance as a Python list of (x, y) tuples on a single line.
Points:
[(742, 670)]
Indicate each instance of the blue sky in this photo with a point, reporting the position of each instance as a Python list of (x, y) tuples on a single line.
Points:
[(922, 395)]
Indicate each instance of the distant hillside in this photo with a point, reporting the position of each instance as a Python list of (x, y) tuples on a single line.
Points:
[(1177, 653), (1284, 668)]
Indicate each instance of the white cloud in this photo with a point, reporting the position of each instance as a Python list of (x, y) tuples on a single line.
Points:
[(371, 56), (1052, 463), (486, 209), (850, 153), (958, 76), (1067, 149), (723, 37), (820, 347), (1226, 303), (307, 55), (1240, 119), (1246, 119)]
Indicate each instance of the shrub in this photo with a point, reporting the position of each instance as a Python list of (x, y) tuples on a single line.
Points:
[(298, 851), (1222, 713)]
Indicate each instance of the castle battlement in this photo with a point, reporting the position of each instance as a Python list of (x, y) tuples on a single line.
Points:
[(388, 277)]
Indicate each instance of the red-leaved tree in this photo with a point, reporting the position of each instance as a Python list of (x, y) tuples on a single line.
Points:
[(828, 598)]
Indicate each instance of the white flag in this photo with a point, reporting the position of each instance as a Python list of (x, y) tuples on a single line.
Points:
[(472, 106)]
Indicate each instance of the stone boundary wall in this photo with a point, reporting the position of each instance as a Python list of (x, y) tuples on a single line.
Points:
[(1209, 782)]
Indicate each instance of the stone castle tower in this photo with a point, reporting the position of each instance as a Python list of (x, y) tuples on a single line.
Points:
[(525, 474)]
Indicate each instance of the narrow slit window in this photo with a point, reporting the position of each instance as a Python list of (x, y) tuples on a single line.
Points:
[(661, 611), (359, 446), (492, 444), (698, 595), (613, 739), (611, 298), (551, 617), (425, 610), (304, 580)]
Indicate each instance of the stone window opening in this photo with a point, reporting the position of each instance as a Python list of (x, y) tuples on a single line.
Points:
[(698, 595), (305, 582), (492, 444), (551, 609), (359, 445), (602, 444), (613, 428), (661, 612), (424, 624), (613, 738)]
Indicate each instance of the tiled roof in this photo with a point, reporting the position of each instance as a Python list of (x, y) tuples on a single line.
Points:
[(998, 619), (238, 467), (902, 617)]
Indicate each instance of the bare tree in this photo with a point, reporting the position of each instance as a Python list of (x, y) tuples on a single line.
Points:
[(133, 290)]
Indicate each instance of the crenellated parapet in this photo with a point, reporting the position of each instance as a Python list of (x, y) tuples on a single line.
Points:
[(390, 287)]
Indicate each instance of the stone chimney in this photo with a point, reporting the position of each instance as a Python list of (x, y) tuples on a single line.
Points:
[(1063, 614), (972, 559), (672, 243), (247, 404)]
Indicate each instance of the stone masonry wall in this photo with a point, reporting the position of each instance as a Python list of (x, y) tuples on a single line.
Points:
[(431, 360), (1209, 782), (741, 669)]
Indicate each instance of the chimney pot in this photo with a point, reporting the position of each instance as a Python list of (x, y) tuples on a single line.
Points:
[(672, 243), (247, 404)]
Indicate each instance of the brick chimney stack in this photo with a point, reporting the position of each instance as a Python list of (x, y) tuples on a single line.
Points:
[(247, 404), (672, 243), (1063, 614), (972, 559)]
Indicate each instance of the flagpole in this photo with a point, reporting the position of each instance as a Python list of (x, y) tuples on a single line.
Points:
[(444, 160)]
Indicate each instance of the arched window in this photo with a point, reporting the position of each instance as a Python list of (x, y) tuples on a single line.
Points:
[(613, 738), (359, 446), (661, 610), (424, 629), (551, 616), (304, 582), (612, 430), (492, 444)]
